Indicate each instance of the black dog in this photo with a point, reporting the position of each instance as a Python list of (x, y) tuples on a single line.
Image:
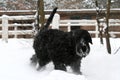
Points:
[(62, 48)]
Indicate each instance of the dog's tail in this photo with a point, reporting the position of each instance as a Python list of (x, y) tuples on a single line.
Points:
[(49, 20)]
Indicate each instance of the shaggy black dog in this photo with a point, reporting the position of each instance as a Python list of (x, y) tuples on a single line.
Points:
[(62, 48)]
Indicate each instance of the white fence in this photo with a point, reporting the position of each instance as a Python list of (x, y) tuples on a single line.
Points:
[(55, 24), (83, 22), (5, 24)]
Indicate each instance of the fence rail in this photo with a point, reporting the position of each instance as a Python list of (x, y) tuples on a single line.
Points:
[(69, 23), (5, 25), (55, 24)]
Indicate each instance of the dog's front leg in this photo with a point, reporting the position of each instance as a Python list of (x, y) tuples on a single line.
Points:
[(76, 66), (60, 66)]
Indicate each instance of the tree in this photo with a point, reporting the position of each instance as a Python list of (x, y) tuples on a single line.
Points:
[(107, 24), (107, 27), (98, 13), (41, 12)]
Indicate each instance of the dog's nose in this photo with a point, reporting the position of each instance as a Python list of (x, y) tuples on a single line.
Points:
[(91, 42)]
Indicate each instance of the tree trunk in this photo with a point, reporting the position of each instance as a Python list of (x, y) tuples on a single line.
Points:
[(38, 20), (98, 11), (107, 28), (41, 12)]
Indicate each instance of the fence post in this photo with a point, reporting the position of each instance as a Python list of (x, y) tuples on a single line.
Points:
[(56, 21), (96, 27), (5, 28), (15, 29), (69, 26)]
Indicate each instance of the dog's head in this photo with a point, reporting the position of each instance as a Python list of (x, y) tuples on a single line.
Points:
[(82, 40)]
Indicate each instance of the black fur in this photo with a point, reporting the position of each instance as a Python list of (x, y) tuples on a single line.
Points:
[(62, 48)]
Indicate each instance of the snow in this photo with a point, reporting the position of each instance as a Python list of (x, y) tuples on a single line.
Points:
[(98, 65)]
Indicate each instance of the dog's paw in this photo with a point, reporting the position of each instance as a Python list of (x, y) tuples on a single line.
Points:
[(78, 73), (40, 68)]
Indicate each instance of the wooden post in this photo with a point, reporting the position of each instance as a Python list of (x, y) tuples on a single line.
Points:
[(15, 29), (5, 28), (96, 29), (69, 26)]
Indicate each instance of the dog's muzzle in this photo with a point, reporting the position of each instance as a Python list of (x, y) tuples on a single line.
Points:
[(82, 49)]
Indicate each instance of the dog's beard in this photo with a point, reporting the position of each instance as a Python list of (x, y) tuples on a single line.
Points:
[(82, 48)]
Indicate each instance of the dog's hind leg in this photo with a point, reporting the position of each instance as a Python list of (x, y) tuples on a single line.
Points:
[(42, 63), (43, 58), (34, 60)]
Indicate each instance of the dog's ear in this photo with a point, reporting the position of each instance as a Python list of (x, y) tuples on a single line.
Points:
[(88, 37), (90, 40)]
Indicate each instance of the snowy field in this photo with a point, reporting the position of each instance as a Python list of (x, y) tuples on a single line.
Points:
[(98, 65)]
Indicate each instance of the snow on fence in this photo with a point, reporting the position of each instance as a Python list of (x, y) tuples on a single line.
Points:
[(84, 22), (55, 24), (5, 24)]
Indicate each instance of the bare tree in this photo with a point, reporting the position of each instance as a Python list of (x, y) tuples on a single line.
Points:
[(40, 9), (107, 27), (98, 13)]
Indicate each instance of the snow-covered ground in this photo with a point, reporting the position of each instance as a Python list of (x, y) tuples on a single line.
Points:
[(98, 65)]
